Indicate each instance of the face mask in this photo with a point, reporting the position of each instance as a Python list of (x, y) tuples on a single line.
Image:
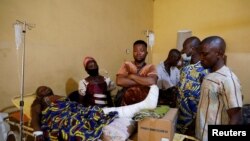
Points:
[(185, 57), (93, 72)]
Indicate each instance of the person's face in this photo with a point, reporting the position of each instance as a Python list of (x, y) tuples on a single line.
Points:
[(92, 68), (91, 65), (187, 49), (43, 91), (176, 60), (139, 53), (209, 56)]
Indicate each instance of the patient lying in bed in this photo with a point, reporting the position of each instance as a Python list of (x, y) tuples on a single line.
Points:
[(57, 118)]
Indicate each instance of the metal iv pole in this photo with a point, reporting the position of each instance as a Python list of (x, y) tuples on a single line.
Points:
[(21, 26)]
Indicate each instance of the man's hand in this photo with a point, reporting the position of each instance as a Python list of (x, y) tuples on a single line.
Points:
[(234, 116), (131, 76), (143, 80)]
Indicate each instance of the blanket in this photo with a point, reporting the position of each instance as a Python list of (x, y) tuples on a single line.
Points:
[(67, 120)]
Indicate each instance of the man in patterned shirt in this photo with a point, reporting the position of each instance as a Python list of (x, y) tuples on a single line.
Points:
[(189, 87), (221, 98)]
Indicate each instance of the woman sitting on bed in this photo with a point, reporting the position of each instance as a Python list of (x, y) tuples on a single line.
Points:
[(56, 118)]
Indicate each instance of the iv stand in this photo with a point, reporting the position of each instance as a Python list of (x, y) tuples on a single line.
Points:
[(147, 33), (21, 104)]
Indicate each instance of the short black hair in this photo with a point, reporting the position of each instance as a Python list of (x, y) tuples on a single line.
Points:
[(140, 42), (194, 40), (216, 41), (174, 53)]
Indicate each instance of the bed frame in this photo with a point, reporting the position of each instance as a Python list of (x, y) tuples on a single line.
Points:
[(14, 118)]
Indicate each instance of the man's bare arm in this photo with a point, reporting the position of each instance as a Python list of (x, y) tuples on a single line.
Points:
[(35, 116), (124, 81), (144, 80), (234, 116)]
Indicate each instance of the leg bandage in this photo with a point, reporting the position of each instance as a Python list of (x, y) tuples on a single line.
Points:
[(150, 102)]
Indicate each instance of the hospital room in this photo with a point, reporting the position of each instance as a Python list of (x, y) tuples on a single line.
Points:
[(124, 70)]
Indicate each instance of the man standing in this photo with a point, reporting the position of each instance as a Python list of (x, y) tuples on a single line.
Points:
[(221, 98), (136, 76), (189, 87)]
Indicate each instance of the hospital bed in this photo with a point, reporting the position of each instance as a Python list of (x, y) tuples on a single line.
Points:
[(14, 119)]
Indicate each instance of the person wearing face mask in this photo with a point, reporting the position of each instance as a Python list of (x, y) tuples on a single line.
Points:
[(168, 77), (188, 96), (189, 55), (95, 89), (186, 59), (187, 50)]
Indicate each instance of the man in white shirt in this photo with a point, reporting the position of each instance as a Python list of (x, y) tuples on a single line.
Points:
[(168, 73), (169, 76)]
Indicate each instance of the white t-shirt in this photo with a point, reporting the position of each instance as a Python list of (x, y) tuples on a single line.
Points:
[(165, 80)]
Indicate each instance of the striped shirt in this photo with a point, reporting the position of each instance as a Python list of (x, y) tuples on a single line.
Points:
[(96, 92), (220, 91)]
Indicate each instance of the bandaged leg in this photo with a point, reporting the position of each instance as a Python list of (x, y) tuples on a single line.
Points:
[(150, 102)]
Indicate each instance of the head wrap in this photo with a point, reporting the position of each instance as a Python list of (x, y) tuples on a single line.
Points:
[(86, 60)]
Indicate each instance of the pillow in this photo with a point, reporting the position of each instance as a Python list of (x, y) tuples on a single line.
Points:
[(119, 130)]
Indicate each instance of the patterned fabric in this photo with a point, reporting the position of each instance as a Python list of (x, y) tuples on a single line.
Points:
[(158, 112), (96, 92), (135, 94), (220, 91), (189, 95), (186, 63), (165, 80), (70, 121)]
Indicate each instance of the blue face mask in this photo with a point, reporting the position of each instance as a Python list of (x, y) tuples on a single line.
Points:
[(185, 57)]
